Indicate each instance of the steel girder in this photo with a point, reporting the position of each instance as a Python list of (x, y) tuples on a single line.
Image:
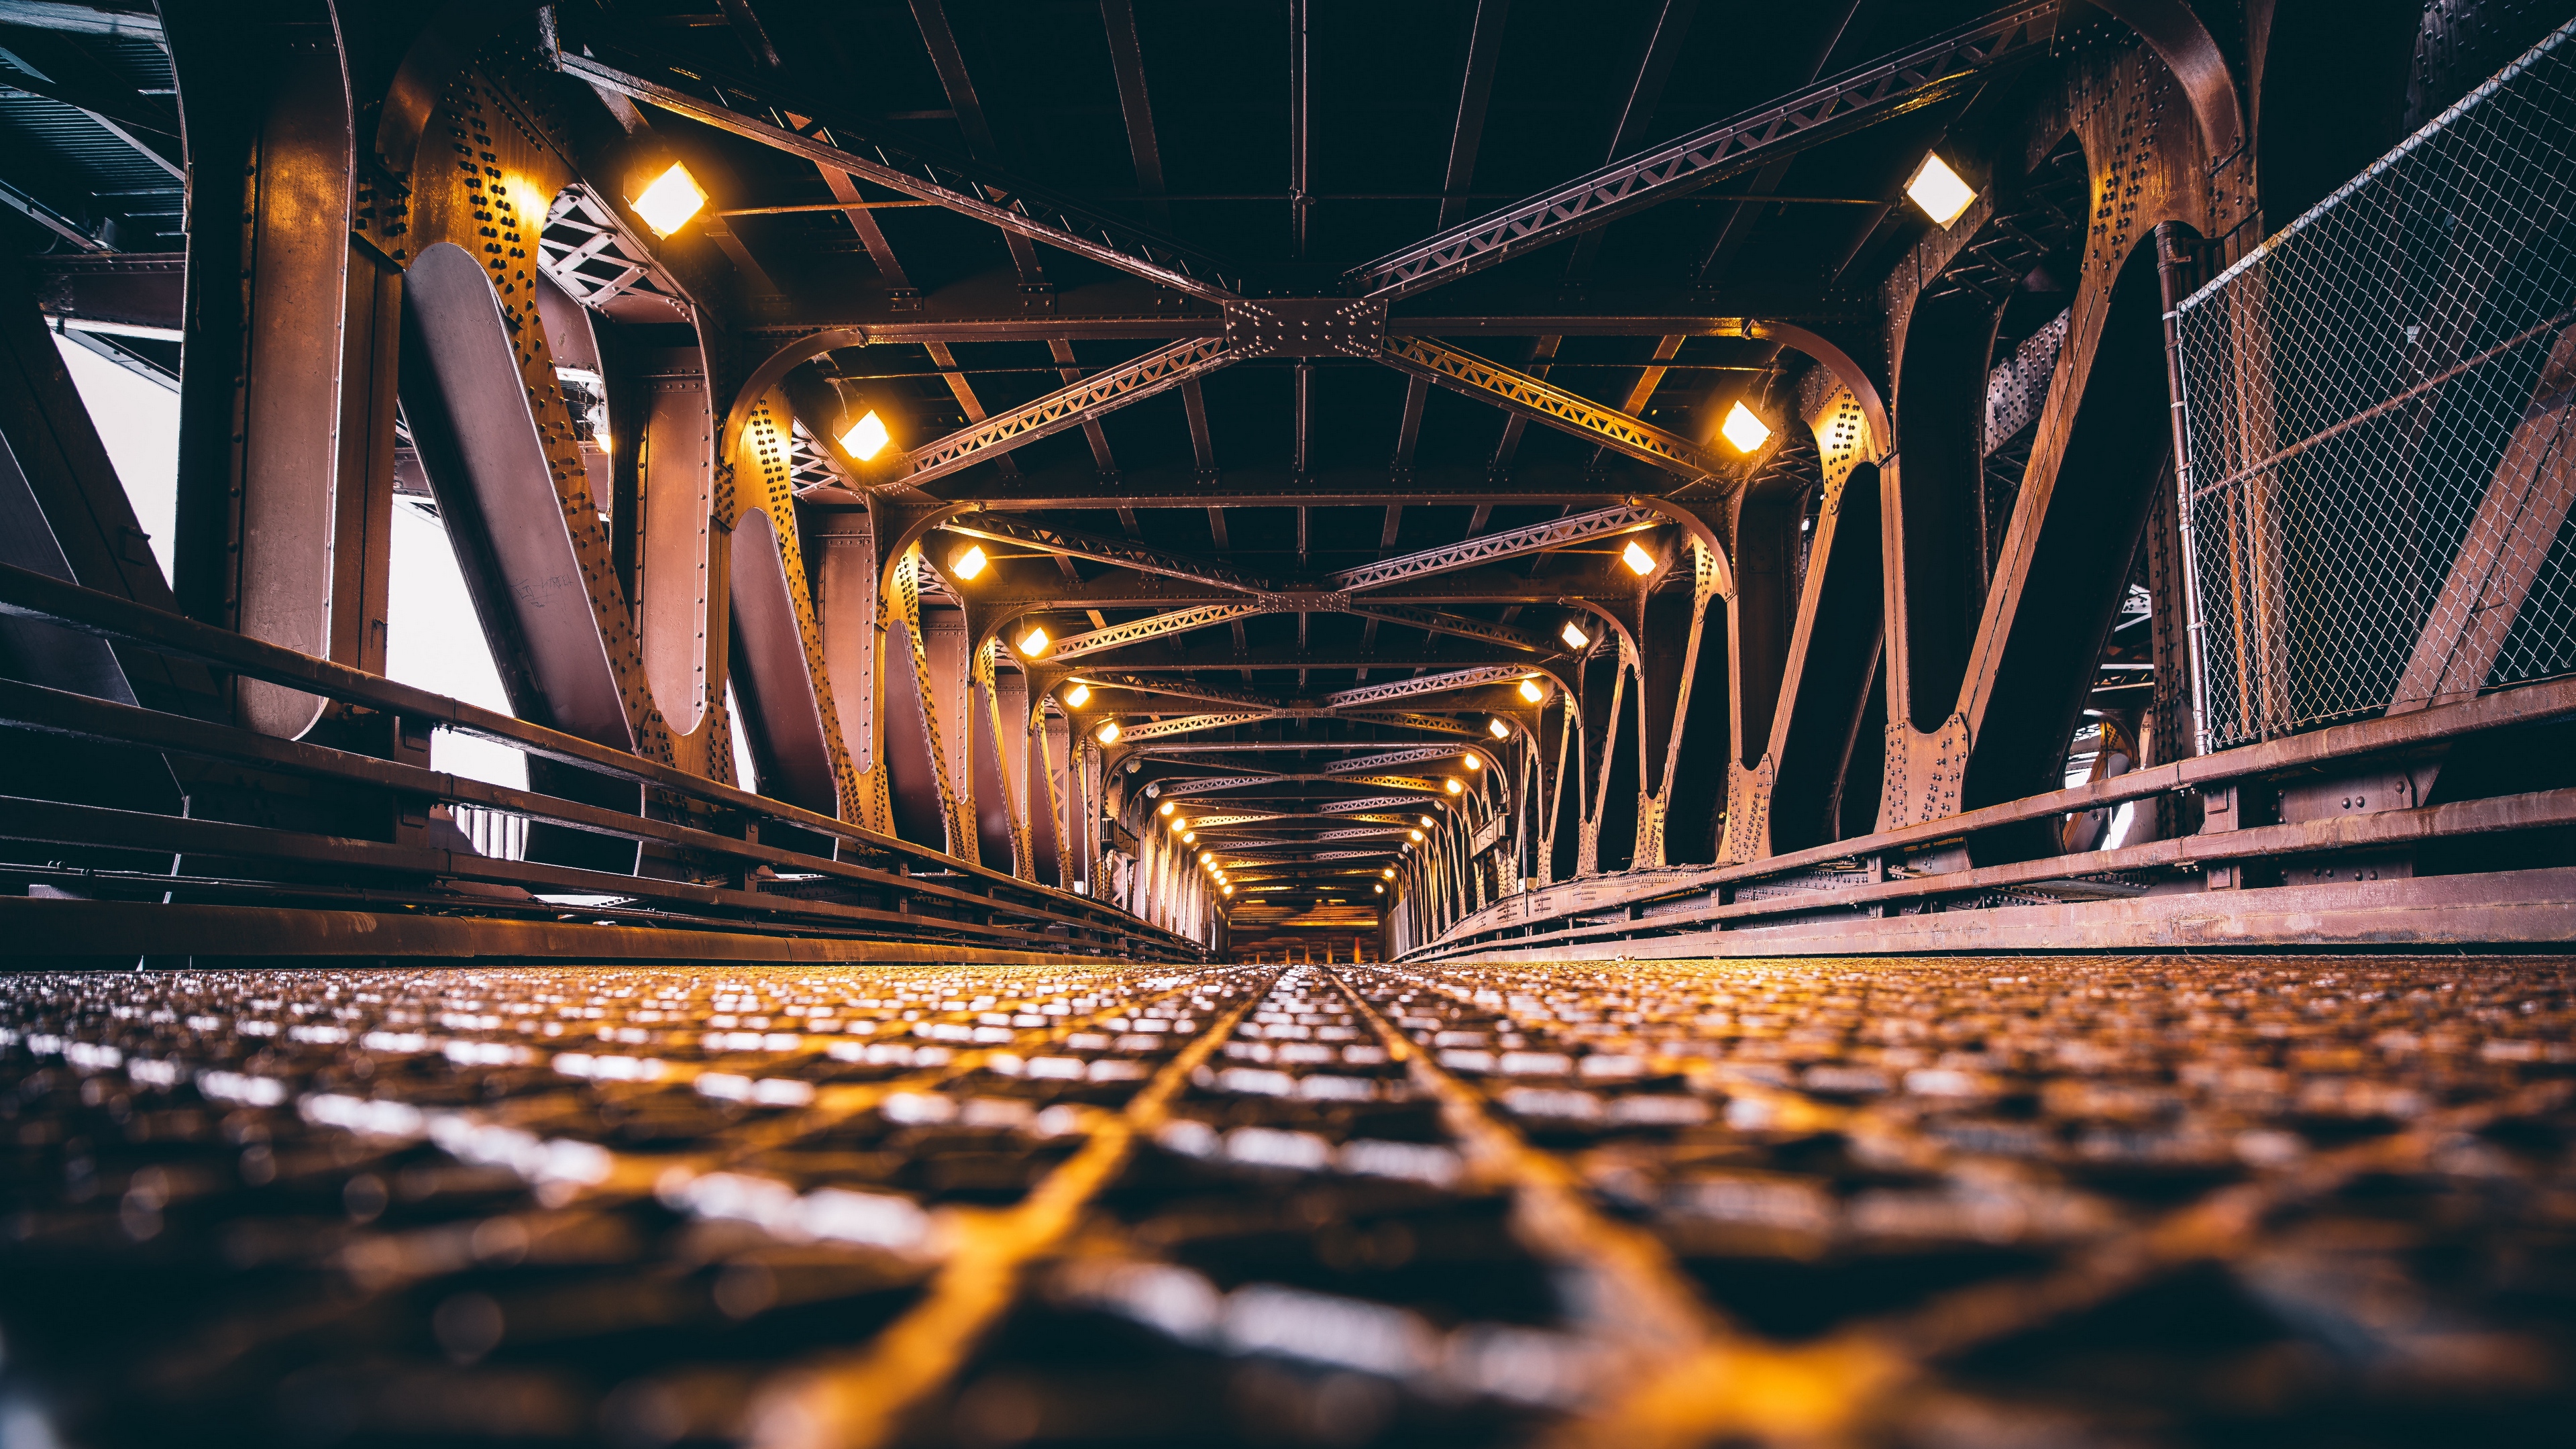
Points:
[(1487, 548), (1424, 684), (1070, 406), (1123, 553), (1215, 783), (1440, 621), (1392, 758), (1193, 723), (1179, 621), (762, 113), (1136, 631), (1881, 90), (1178, 689), (1401, 719), (1547, 403)]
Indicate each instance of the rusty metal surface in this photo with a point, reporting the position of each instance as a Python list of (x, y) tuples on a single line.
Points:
[(2141, 1200)]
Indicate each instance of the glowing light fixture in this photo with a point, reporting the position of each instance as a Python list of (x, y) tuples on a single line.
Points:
[(671, 200), (1531, 692), (968, 564), (1574, 636), (1078, 696), (1938, 190), (1034, 641), (1470, 761), (1637, 559), (1381, 890), (601, 442), (1192, 838), (1497, 728), (867, 437), (1169, 807), (1416, 834), (1108, 732), (1744, 430), (1229, 890), (1207, 857), (1389, 872), (1454, 787), (1426, 822)]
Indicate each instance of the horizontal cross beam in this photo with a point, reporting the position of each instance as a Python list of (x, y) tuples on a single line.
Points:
[(1001, 528), (1545, 402), (1135, 631), (763, 114), (1424, 684), (1067, 407), (1878, 91), (1441, 621), (1392, 758)]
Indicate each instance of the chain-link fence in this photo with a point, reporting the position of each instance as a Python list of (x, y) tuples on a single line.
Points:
[(2377, 405)]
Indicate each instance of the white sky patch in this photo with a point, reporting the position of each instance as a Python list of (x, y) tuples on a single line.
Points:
[(138, 421)]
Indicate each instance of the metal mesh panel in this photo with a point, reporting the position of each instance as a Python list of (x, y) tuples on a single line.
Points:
[(2374, 403)]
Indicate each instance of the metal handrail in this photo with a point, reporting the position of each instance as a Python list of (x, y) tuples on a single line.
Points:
[(27, 594)]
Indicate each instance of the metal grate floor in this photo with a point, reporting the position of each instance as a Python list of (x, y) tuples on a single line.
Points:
[(1968, 1202)]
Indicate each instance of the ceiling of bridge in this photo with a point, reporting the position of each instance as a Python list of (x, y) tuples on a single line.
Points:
[(1252, 155)]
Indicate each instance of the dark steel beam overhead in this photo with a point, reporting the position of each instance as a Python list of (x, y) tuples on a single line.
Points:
[(1881, 90)]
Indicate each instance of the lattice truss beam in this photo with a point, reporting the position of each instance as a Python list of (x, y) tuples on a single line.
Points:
[(1544, 402), (765, 113), (1880, 90), (1204, 616), (1123, 553), (1067, 407)]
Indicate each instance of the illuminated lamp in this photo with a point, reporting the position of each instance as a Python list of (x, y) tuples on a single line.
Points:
[(1574, 636), (1637, 559), (1744, 430), (967, 563), (1939, 190), (673, 198), (867, 437), (1078, 696)]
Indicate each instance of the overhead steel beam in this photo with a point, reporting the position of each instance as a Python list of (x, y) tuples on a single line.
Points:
[(1878, 91), (1071, 406), (801, 127), (1545, 402), (1555, 533), (1433, 723), (1424, 684), (1181, 688), (1190, 724), (1215, 783), (1391, 758), (1440, 621), (1179, 621), (1124, 553)]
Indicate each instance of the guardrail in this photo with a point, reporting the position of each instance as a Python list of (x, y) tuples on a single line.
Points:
[(1929, 868), (870, 888)]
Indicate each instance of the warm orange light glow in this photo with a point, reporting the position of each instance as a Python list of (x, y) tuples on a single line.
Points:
[(673, 198), (1497, 728), (1470, 761), (1939, 190), (1637, 559), (1078, 696), (1744, 430), (1530, 691), (967, 564), (1416, 834), (1033, 642), (1108, 732), (867, 437), (1574, 636), (1454, 786)]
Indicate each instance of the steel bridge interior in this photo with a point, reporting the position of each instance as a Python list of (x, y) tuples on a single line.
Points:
[(1474, 608)]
